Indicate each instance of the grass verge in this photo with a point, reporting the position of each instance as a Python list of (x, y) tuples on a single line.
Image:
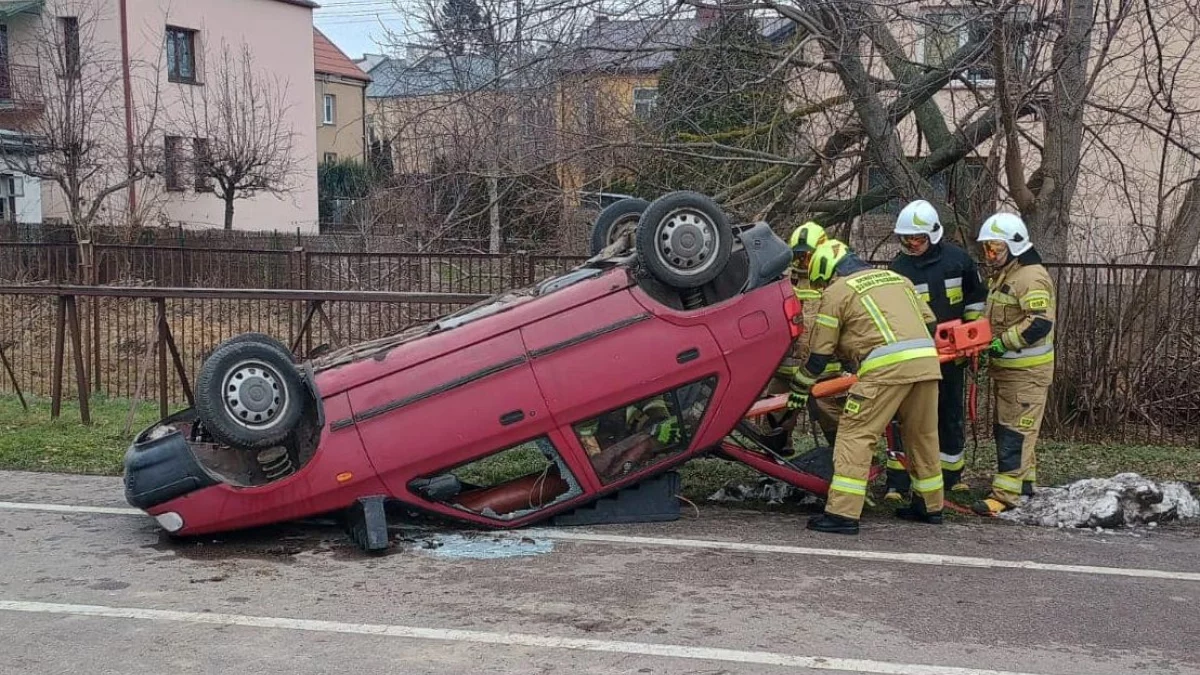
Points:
[(30, 441)]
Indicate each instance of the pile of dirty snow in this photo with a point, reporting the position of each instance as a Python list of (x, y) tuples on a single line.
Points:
[(1125, 500)]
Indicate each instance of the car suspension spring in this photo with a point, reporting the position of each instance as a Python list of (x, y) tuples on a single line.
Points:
[(693, 299), (276, 463)]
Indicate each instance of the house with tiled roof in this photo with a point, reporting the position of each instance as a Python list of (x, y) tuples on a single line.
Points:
[(341, 89)]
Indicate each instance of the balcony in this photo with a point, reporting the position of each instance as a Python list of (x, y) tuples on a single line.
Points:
[(20, 92)]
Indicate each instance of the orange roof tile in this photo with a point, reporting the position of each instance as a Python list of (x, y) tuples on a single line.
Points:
[(333, 61)]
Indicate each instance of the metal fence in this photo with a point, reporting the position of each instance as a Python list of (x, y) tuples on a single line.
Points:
[(185, 267), (1128, 337)]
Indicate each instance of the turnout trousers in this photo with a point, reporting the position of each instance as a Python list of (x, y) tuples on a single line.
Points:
[(870, 406), (1020, 407), (951, 432)]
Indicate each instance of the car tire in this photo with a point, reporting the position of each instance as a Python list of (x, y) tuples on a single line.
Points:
[(612, 220), (249, 394), (262, 338), (684, 240)]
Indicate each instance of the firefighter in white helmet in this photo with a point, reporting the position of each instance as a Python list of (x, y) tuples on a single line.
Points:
[(1020, 306), (948, 280)]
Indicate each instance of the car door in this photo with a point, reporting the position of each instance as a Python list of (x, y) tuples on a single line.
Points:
[(611, 362), (448, 411)]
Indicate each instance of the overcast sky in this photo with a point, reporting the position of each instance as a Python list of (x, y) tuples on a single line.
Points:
[(358, 25)]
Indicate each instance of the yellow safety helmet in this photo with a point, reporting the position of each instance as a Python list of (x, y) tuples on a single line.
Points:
[(824, 260), (806, 238)]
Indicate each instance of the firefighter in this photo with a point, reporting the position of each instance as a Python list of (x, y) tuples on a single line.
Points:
[(948, 280), (804, 240), (874, 318), (1020, 307)]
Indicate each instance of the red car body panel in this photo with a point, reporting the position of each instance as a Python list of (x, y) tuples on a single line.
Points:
[(532, 370)]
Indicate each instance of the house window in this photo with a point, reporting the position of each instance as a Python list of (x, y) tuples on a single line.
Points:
[(644, 100), (173, 162), (331, 157), (330, 109), (200, 165), (946, 32), (70, 45), (181, 55)]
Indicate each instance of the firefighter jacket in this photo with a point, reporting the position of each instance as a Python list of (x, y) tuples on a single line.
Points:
[(810, 301), (947, 279), (875, 319), (1020, 307)]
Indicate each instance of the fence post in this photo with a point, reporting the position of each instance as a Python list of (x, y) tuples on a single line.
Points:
[(86, 276), (56, 383)]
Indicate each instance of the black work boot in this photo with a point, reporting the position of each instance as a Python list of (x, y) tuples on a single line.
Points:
[(831, 524), (916, 512)]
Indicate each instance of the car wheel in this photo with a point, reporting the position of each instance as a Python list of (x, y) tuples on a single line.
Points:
[(684, 239), (264, 339), (617, 220), (249, 394)]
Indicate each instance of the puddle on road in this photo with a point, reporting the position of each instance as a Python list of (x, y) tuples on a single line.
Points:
[(480, 547)]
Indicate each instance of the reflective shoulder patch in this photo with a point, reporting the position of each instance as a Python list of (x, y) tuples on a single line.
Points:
[(866, 282)]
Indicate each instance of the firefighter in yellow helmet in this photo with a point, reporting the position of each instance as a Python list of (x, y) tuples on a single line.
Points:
[(804, 240), (1020, 307), (875, 318)]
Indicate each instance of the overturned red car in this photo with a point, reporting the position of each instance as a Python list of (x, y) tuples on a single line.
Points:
[(530, 404)]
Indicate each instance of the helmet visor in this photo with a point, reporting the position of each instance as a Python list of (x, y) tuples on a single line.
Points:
[(994, 252)]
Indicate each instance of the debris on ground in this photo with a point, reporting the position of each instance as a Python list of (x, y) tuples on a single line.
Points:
[(1125, 500), (481, 547), (766, 490)]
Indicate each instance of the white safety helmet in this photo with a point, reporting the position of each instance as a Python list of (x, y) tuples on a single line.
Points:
[(1008, 228), (920, 217)]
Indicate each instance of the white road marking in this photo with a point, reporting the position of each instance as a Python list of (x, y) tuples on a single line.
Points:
[(888, 556), (933, 559), (67, 508), (508, 639)]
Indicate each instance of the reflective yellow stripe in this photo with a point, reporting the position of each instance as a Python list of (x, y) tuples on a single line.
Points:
[(973, 312), (924, 485), (881, 323), (954, 295), (804, 294), (835, 367), (895, 465), (896, 357), (854, 486), (787, 371), (952, 462), (1036, 300), (916, 307), (1003, 299), (828, 321), (925, 297), (804, 378), (1007, 483), (1024, 361)]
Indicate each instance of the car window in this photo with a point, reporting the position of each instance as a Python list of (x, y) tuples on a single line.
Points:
[(506, 484), (647, 432)]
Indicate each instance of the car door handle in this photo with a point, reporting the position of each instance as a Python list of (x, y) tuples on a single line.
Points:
[(688, 355), (512, 417)]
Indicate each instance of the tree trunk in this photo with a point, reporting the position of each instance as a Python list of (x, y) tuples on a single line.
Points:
[(229, 213), (494, 211)]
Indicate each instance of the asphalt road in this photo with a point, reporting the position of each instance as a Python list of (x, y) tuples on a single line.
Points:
[(105, 592)]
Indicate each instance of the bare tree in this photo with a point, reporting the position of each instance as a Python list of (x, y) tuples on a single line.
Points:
[(245, 145), (77, 124)]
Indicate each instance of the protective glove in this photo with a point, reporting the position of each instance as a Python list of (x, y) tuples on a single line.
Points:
[(797, 399), (997, 347), (666, 432)]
